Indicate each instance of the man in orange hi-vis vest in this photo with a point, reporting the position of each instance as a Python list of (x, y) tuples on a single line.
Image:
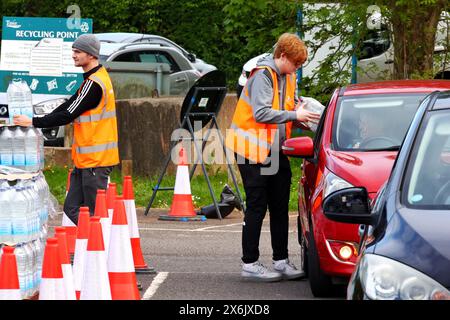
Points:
[(263, 119), (92, 110)]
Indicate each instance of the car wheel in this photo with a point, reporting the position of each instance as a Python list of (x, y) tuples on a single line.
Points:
[(320, 283)]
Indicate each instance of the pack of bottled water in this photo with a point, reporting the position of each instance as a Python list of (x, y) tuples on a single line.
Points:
[(24, 211), (19, 99), (22, 148)]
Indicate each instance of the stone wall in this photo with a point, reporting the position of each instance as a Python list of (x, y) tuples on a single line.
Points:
[(145, 127)]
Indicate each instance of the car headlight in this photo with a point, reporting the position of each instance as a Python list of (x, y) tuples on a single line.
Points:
[(386, 279), (48, 106), (333, 183)]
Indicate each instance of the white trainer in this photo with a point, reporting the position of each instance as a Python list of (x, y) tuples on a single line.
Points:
[(287, 269), (256, 271)]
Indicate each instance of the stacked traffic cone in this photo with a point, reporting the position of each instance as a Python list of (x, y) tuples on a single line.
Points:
[(95, 284), (9, 278), (130, 208), (71, 228), (52, 284), (111, 194), (182, 208), (80, 249), (122, 277), (102, 212), (60, 234)]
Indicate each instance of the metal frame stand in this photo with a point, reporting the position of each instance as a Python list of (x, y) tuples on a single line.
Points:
[(213, 123)]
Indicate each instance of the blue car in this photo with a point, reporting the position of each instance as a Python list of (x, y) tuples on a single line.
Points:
[(404, 253)]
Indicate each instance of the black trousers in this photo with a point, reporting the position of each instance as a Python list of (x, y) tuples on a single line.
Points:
[(83, 190), (262, 192)]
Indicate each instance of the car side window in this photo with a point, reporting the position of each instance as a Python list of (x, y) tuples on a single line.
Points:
[(159, 57), (126, 57), (318, 135)]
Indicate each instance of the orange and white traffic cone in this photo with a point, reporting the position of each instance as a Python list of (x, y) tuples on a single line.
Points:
[(71, 228), (122, 277), (52, 285), (111, 194), (95, 284), (130, 208), (102, 212), (182, 208), (80, 249), (9, 278), (60, 234)]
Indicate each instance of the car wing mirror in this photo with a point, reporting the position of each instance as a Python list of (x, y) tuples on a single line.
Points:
[(299, 147), (350, 205)]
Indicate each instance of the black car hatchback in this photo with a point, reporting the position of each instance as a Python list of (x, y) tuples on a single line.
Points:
[(404, 251)]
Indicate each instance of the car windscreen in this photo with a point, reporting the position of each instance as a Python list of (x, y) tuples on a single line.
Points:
[(427, 177), (373, 122)]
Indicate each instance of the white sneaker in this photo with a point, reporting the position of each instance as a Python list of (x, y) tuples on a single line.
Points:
[(256, 271), (287, 269)]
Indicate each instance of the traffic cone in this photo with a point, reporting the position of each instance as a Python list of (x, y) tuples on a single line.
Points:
[(9, 278), (130, 208), (122, 277), (80, 249), (102, 212), (182, 208), (60, 234), (71, 228), (95, 284), (111, 194), (52, 283)]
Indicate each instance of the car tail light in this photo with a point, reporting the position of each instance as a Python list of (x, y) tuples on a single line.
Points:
[(343, 251)]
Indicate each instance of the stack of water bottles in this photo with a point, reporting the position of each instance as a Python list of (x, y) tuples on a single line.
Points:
[(24, 194)]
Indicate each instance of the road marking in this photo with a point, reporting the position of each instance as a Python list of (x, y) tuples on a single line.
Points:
[(220, 226), (157, 281), (198, 230)]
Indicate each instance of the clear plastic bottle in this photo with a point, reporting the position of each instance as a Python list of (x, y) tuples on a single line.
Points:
[(21, 258), (19, 215), (16, 98), (6, 147), (32, 157), (29, 269), (27, 105), (19, 148), (39, 249), (5, 213)]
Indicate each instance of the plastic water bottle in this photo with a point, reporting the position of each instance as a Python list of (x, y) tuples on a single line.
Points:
[(315, 106), (19, 215), (19, 148), (6, 147), (5, 214), (32, 157), (27, 103), (21, 258), (29, 264), (38, 247), (41, 148), (16, 98)]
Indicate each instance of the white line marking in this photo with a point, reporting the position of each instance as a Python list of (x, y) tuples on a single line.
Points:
[(224, 226), (196, 230), (157, 281)]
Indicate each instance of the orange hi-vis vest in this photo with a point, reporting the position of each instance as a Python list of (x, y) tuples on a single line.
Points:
[(95, 131), (253, 140)]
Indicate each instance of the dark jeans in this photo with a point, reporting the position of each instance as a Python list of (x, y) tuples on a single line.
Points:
[(262, 192), (83, 190)]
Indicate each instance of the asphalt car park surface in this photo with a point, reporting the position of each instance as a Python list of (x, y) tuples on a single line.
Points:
[(200, 260)]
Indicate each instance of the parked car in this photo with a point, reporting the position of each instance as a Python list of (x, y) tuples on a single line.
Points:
[(356, 143), (405, 253), (127, 37), (182, 73)]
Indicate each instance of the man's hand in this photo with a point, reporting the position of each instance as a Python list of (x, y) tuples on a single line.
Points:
[(304, 115), (22, 120)]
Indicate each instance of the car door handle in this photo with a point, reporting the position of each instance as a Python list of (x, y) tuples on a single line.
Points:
[(180, 80), (390, 61)]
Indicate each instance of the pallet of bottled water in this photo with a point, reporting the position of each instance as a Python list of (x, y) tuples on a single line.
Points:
[(25, 206), (21, 148), (20, 100)]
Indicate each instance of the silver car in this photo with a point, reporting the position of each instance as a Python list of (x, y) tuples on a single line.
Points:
[(128, 37)]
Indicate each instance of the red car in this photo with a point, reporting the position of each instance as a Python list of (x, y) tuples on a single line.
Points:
[(356, 144)]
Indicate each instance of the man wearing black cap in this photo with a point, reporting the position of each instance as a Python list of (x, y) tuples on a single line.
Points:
[(92, 110)]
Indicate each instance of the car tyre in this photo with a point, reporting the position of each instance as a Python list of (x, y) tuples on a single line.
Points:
[(320, 283), (303, 248)]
